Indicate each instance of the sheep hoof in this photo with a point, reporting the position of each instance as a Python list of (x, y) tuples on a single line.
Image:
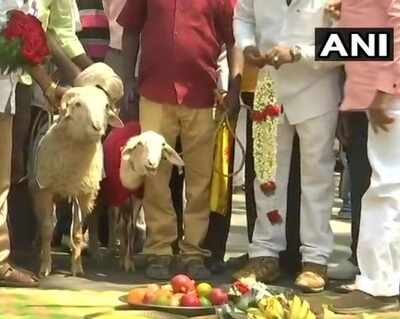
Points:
[(77, 270), (45, 269)]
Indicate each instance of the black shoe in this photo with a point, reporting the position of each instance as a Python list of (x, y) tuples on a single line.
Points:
[(215, 265)]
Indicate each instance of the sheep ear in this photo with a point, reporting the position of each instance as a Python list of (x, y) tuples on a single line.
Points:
[(131, 145), (172, 156), (113, 119)]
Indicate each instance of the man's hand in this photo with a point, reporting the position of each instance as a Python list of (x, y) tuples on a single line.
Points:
[(334, 9), (253, 56), (343, 129), (378, 113), (279, 55), (54, 94), (232, 103)]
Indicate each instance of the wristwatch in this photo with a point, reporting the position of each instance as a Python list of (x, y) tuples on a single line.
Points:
[(295, 52)]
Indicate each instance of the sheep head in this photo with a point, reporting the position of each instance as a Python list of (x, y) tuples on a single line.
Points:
[(85, 114), (102, 76), (142, 155)]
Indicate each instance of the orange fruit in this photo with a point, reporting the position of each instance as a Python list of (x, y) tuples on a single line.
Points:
[(136, 295)]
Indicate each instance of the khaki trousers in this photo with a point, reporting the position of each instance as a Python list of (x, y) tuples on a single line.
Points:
[(5, 177), (196, 128)]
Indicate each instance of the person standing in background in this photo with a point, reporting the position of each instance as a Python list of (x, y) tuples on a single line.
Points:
[(281, 34), (373, 87), (177, 96), (129, 108)]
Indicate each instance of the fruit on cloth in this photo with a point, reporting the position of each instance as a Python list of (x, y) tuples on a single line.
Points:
[(182, 283), (136, 295), (205, 302), (204, 289), (271, 308), (190, 300), (150, 297), (300, 309), (218, 296), (162, 299), (175, 300), (167, 288)]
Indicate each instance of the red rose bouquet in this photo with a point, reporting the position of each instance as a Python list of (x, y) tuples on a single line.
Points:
[(22, 42)]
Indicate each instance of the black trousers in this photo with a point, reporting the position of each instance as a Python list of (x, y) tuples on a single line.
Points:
[(360, 172)]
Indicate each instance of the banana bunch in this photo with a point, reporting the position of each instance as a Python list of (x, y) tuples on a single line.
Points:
[(278, 307), (299, 309)]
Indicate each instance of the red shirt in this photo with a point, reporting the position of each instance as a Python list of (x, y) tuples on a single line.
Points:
[(180, 45), (114, 193)]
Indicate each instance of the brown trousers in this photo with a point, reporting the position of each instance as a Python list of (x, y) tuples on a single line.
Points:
[(5, 177), (196, 128)]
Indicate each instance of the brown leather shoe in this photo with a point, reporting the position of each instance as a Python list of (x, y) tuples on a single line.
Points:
[(313, 278), (265, 269), (359, 302), (13, 277)]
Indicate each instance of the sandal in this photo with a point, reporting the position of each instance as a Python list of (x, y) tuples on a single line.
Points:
[(197, 270), (13, 277), (158, 267), (264, 269)]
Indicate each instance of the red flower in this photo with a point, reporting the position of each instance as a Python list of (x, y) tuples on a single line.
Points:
[(267, 111), (29, 30), (241, 287), (274, 217), (268, 187)]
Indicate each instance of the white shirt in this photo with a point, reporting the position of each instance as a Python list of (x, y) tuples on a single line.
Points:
[(8, 82), (306, 88)]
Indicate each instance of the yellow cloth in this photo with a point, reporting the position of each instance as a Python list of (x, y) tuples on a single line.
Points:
[(249, 78), (221, 182)]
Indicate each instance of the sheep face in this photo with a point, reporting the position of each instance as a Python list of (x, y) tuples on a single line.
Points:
[(86, 113), (142, 155)]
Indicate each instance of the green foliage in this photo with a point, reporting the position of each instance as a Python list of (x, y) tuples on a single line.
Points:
[(10, 56)]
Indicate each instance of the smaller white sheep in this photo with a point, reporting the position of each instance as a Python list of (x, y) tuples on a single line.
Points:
[(141, 156), (69, 163)]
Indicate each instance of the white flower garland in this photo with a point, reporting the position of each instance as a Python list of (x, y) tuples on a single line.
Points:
[(265, 129)]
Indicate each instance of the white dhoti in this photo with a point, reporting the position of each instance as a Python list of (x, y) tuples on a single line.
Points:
[(379, 241), (317, 158)]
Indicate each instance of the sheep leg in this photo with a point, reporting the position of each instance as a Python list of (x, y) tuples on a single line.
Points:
[(76, 240), (94, 246), (44, 208), (124, 241), (112, 215)]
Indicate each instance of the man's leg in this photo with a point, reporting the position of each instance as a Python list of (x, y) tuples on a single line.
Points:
[(317, 160), (198, 139), (270, 239), (9, 276), (157, 203), (379, 239), (360, 173), (5, 176)]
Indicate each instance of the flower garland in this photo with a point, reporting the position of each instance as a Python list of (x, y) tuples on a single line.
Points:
[(22, 42), (265, 118)]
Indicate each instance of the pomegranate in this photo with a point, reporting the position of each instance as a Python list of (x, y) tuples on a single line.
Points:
[(182, 284), (218, 296), (190, 300)]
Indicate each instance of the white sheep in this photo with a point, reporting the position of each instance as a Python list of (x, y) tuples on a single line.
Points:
[(141, 156), (69, 160)]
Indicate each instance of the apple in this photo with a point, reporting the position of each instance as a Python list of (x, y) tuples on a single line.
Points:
[(150, 297), (190, 300), (218, 297), (204, 289), (182, 284), (162, 300)]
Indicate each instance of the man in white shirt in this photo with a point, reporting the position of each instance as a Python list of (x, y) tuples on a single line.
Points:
[(279, 34)]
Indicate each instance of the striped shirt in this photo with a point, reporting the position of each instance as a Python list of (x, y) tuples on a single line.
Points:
[(95, 31)]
